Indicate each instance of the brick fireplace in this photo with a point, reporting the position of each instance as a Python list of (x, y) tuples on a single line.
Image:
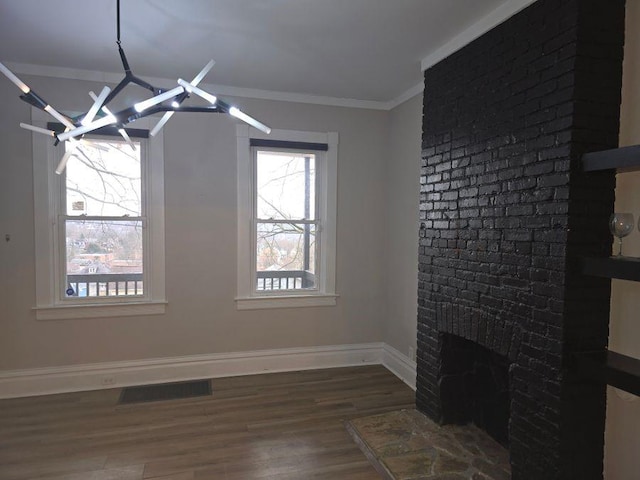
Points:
[(506, 215)]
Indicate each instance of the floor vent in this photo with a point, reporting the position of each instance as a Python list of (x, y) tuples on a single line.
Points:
[(165, 391)]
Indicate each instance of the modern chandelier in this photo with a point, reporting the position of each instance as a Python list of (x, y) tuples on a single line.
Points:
[(99, 115)]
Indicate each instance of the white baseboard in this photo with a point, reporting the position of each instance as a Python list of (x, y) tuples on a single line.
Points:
[(43, 381), (400, 365), (76, 378)]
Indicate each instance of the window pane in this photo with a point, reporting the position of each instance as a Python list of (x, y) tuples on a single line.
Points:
[(285, 256), (286, 185), (104, 179), (104, 258)]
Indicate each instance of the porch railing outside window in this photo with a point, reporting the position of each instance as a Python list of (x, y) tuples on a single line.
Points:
[(105, 284), (285, 280)]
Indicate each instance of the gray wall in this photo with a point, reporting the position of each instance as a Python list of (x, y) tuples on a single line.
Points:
[(402, 200), (200, 192)]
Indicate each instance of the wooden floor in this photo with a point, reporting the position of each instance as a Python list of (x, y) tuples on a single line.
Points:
[(276, 426)]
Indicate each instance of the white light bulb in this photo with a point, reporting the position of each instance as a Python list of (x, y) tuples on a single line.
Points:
[(33, 128), (58, 116), (212, 99), (165, 118), (196, 80), (97, 103), (104, 108), (103, 122), (127, 138), (236, 112), (142, 106), (19, 83), (63, 161)]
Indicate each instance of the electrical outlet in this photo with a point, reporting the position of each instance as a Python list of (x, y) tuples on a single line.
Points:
[(108, 380), (412, 354)]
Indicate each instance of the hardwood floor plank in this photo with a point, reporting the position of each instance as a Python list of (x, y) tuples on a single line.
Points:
[(133, 472), (35, 469), (272, 426), (176, 476)]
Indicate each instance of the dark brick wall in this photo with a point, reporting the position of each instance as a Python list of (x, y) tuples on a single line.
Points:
[(506, 214)]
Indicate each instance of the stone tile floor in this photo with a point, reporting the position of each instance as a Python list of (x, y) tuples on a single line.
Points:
[(406, 445)]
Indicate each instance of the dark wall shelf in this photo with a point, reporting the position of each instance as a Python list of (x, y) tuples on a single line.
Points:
[(625, 268), (624, 158), (612, 368)]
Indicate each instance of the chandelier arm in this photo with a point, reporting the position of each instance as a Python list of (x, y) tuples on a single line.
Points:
[(182, 97), (129, 78), (224, 106), (32, 98), (194, 109), (118, 88), (130, 114), (143, 84), (169, 108), (123, 58)]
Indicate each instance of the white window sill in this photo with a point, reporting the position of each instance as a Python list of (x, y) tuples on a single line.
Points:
[(285, 301), (60, 312)]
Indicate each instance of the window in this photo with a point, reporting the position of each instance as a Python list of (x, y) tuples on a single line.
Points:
[(286, 220), (102, 221), (99, 227), (286, 213)]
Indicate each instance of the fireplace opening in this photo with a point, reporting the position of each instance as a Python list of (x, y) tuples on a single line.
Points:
[(474, 387)]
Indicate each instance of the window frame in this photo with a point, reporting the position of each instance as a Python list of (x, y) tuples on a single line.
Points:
[(248, 297), (50, 252)]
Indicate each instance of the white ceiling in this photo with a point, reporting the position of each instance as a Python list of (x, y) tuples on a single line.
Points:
[(356, 49)]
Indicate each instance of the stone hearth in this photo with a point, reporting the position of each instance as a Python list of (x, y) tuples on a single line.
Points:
[(406, 445)]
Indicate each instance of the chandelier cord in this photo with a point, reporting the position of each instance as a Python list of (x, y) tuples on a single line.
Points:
[(123, 57), (118, 21)]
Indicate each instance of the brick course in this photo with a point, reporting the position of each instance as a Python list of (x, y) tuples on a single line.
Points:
[(506, 214)]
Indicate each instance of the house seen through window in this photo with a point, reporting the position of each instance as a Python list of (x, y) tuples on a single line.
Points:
[(102, 224)]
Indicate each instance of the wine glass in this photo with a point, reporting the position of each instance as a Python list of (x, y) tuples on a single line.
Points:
[(620, 225)]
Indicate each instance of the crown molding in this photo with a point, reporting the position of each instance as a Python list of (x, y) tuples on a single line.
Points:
[(482, 26), (417, 89), (114, 78)]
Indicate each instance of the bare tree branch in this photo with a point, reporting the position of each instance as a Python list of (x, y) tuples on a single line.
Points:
[(86, 195)]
